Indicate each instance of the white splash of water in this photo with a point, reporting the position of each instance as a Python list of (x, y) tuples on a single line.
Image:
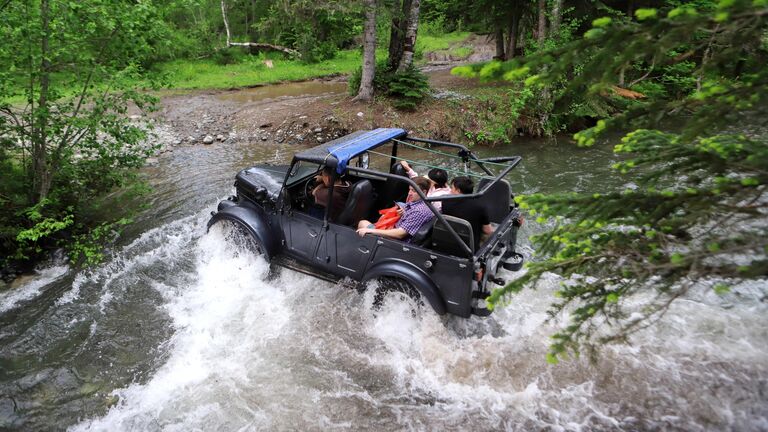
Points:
[(220, 323), (32, 288), (252, 351)]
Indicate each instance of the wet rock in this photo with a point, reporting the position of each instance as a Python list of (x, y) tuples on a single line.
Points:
[(219, 137), (208, 139), (263, 138), (317, 130), (320, 139), (111, 400)]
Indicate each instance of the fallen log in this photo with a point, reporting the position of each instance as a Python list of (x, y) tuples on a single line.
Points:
[(266, 46)]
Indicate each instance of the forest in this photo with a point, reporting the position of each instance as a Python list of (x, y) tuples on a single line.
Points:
[(684, 82)]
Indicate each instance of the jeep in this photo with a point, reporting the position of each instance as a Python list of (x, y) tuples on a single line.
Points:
[(440, 264)]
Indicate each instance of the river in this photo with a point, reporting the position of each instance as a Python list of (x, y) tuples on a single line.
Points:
[(182, 331)]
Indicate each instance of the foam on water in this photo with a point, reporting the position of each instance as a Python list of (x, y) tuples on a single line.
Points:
[(282, 351), (42, 277)]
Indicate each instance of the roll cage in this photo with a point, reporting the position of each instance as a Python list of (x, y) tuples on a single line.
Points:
[(338, 153)]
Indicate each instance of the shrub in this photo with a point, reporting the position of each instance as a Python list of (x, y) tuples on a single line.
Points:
[(407, 89)]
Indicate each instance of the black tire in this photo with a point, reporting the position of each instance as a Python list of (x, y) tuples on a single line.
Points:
[(389, 285), (237, 234)]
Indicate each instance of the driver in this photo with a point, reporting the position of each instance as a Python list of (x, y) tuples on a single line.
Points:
[(321, 193)]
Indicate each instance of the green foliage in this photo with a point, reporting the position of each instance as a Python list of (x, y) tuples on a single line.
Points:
[(407, 89), (697, 214), (87, 249), (316, 29), (67, 138), (493, 116)]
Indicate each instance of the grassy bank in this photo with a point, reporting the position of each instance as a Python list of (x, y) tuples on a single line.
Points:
[(252, 70), (247, 70)]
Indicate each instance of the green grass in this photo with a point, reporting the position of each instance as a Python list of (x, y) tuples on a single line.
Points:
[(206, 74), (248, 70), (461, 52), (427, 43)]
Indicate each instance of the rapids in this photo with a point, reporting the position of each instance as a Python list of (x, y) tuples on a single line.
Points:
[(183, 330)]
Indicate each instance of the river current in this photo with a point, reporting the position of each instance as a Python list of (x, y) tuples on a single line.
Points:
[(182, 330)]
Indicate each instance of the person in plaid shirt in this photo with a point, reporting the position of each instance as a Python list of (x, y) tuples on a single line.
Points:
[(415, 214)]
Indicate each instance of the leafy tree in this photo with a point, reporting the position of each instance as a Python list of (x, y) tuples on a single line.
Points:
[(697, 216), (64, 95)]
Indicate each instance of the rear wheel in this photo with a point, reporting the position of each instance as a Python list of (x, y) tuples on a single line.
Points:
[(394, 286)]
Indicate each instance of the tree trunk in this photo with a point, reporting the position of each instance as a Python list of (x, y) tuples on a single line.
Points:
[(42, 175), (542, 30), (499, 36), (396, 34), (409, 39), (226, 21), (557, 16), (514, 27), (369, 53)]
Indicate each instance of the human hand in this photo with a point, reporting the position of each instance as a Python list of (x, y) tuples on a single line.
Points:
[(363, 231), (405, 165)]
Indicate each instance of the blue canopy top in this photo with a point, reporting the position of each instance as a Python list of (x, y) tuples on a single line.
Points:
[(347, 147)]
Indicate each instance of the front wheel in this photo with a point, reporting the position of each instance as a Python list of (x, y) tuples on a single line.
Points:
[(237, 234)]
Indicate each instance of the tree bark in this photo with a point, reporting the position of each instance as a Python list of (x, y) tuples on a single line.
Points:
[(542, 29), (42, 175), (514, 29), (499, 36), (396, 33), (409, 39), (226, 21), (365, 92), (557, 16)]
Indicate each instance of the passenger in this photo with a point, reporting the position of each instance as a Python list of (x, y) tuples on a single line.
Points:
[(468, 209), (415, 213), (341, 189), (439, 179)]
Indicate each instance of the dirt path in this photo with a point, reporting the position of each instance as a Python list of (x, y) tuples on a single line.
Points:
[(309, 114), (221, 117)]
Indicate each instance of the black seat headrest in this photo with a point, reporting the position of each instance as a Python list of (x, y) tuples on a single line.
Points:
[(358, 203)]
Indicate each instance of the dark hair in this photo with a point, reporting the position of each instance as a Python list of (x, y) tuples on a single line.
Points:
[(463, 184), (439, 176), (423, 184)]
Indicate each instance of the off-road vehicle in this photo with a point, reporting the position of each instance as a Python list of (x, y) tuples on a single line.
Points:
[(441, 262)]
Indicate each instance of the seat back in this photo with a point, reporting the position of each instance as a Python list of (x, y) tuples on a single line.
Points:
[(423, 236), (358, 205), (443, 241), (393, 191), (496, 200)]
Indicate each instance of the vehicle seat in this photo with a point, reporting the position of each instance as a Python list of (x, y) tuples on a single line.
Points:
[(358, 205), (393, 191), (496, 200), (443, 241), (424, 235)]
